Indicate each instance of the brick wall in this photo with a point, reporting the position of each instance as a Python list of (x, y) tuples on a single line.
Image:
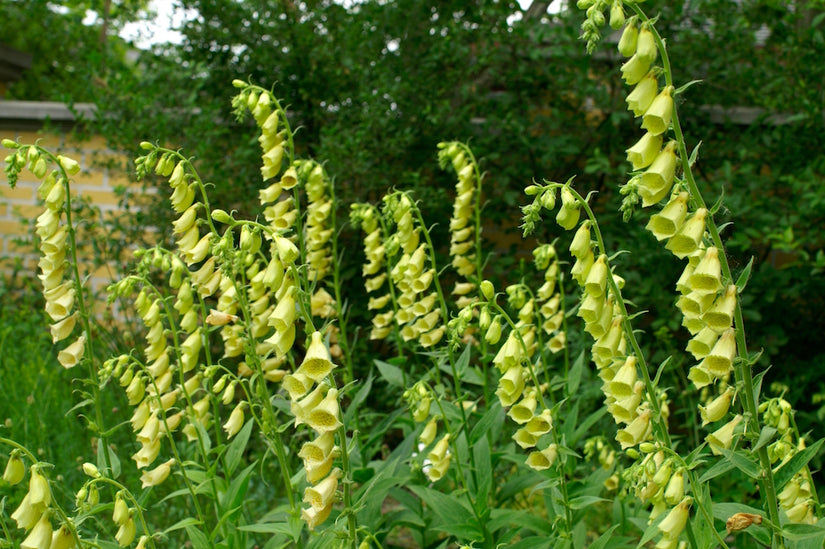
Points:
[(19, 207)]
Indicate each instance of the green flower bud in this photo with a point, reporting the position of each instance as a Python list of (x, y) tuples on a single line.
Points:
[(238, 83), (487, 289), (9, 144), (221, 216)]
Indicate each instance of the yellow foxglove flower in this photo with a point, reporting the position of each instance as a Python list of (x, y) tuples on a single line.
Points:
[(270, 194), (656, 182), (62, 329), (314, 517), (557, 342), (702, 343), (719, 361), (694, 304), (325, 416), (316, 364), (590, 308), (657, 117), (61, 305), (493, 333), (120, 514), (596, 281), (432, 337), (62, 538), (629, 40), (700, 376), (297, 385), (47, 224), (27, 513), (41, 535), (440, 450), (157, 475), (424, 305), (323, 495), (147, 454), (182, 197), (289, 179), (673, 524), (675, 489), (39, 490), (707, 276), (689, 236), (717, 408), (800, 513), (606, 347), (581, 268), (634, 69), (636, 432), (646, 45), (126, 533), (642, 96), (645, 151), (509, 355), (428, 433), (15, 469), (523, 411), (666, 223), (301, 408), (150, 429), (437, 469), (543, 459), (525, 439), (511, 385), (624, 381), (272, 162), (624, 409), (540, 424), (720, 317), (723, 437)]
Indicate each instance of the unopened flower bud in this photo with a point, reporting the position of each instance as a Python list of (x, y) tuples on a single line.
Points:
[(487, 289)]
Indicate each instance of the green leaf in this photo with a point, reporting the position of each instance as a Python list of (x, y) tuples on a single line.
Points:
[(234, 495), (795, 464), (684, 87), (584, 501), (463, 361), (197, 537), (501, 518), (268, 528), (493, 415), (235, 450), (719, 468), (446, 508), (765, 437), (189, 521), (484, 472), (391, 374), (601, 543), (742, 463), (359, 397), (585, 425), (575, 375), (744, 276), (660, 370), (694, 154), (799, 532)]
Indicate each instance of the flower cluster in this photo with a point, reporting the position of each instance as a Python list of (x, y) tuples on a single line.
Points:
[(54, 236), (463, 228), (420, 398), (549, 298), (315, 404), (374, 270), (413, 276)]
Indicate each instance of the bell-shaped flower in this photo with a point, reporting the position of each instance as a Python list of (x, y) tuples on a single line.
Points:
[(544, 459), (62, 538), (689, 236), (645, 151), (71, 355), (657, 117), (723, 437), (323, 494), (673, 524), (581, 245), (634, 69), (235, 421), (656, 182), (628, 40), (642, 96), (624, 381), (719, 361), (568, 214), (525, 439), (717, 408), (636, 432), (314, 517), (523, 411), (27, 513), (581, 268), (720, 316), (316, 364), (428, 432), (702, 343), (607, 345), (15, 469), (540, 424), (510, 354), (646, 45), (590, 308), (432, 337), (707, 277), (437, 469), (126, 533), (511, 385), (325, 416), (40, 536), (700, 376), (624, 410), (596, 281), (694, 303), (666, 223), (147, 453)]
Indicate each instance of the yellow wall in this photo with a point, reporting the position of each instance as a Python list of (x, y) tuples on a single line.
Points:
[(19, 207)]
